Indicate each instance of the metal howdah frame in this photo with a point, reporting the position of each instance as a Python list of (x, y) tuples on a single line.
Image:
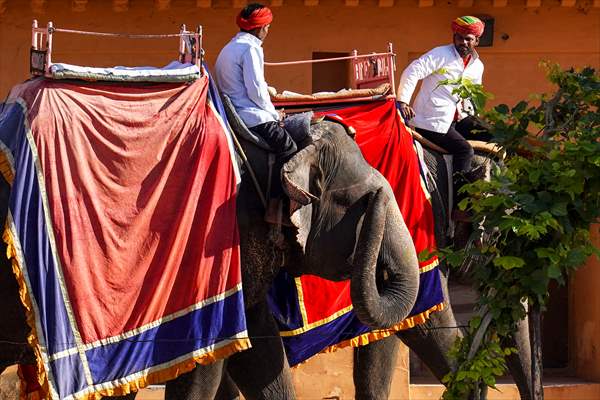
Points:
[(190, 45), (368, 70)]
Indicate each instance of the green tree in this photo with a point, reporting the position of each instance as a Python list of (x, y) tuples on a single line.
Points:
[(538, 209)]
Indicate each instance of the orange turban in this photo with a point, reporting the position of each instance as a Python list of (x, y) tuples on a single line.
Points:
[(259, 18), (468, 25)]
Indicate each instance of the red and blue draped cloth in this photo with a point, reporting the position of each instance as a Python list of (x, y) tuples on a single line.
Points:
[(315, 315), (122, 231)]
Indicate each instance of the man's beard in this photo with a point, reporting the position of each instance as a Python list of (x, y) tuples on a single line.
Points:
[(464, 51)]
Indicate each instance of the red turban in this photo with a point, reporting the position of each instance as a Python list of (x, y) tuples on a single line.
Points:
[(259, 18), (468, 25)]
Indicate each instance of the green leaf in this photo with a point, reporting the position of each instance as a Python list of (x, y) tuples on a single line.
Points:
[(508, 351), (524, 198), (479, 100), (489, 380), (464, 203), (559, 209), (502, 109), (575, 258), (544, 252), (474, 322), (534, 176), (455, 259), (554, 271), (509, 262), (425, 255), (492, 201), (520, 107)]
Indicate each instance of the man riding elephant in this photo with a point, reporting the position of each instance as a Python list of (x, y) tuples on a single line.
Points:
[(438, 114), (239, 71)]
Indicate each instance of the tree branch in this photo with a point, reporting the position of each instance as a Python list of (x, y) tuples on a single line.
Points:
[(549, 113)]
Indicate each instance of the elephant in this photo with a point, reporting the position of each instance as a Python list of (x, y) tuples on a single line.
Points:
[(337, 201), (432, 340)]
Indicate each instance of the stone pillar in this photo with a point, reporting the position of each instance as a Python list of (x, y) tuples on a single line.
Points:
[(584, 321)]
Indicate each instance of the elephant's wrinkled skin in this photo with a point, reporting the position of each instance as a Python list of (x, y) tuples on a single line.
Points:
[(432, 340), (340, 203)]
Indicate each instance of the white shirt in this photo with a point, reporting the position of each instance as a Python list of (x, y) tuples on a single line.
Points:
[(435, 105), (239, 71)]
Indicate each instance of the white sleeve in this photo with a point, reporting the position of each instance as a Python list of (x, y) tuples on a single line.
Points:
[(479, 78), (254, 80), (420, 68)]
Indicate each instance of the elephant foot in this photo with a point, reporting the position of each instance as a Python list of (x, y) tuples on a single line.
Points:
[(372, 369), (262, 372), (228, 390)]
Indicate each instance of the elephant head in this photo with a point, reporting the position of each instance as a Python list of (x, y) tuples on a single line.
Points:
[(349, 226)]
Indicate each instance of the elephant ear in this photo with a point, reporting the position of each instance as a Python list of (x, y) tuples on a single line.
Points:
[(296, 178)]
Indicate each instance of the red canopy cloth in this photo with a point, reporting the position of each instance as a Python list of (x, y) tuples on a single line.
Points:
[(122, 231), (388, 146)]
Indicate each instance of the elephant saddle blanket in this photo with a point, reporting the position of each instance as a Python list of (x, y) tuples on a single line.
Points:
[(315, 315), (122, 231)]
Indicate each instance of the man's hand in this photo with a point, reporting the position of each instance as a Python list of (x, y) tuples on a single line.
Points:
[(281, 114), (406, 111)]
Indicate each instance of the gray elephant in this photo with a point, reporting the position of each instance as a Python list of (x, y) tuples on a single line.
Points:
[(432, 340), (337, 201)]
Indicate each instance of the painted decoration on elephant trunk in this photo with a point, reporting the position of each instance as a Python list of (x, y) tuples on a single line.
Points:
[(127, 266), (315, 315)]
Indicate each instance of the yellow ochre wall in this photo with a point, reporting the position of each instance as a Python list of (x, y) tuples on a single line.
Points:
[(565, 31), (568, 35)]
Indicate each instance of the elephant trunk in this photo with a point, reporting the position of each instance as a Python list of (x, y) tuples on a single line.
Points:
[(384, 237)]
